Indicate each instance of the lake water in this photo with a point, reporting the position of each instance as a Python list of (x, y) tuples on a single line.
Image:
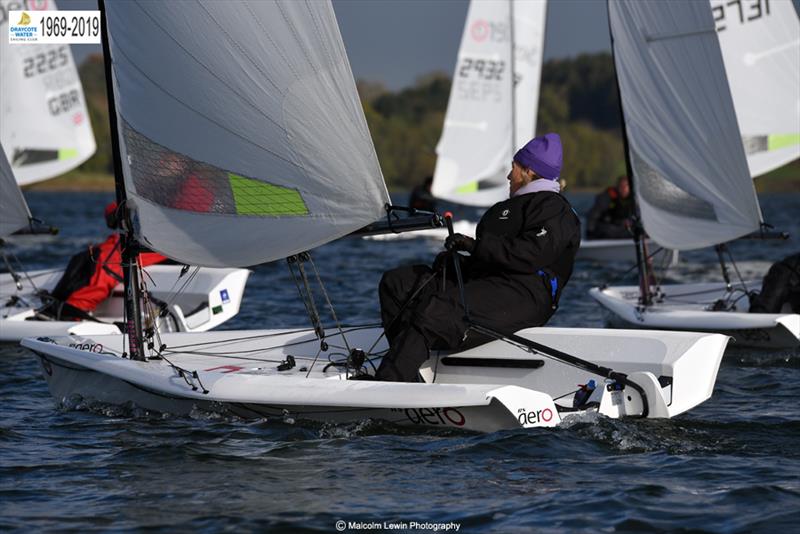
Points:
[(730, 465)]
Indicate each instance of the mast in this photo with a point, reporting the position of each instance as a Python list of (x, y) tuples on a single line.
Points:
[(638, 230), (129, 247), (513, 79)]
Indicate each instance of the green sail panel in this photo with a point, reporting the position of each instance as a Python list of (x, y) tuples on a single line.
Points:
[(468, 188), (253, 197), (779, 141), (67, 153)]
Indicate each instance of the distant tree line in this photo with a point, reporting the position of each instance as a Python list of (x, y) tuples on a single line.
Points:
[(578, 100)]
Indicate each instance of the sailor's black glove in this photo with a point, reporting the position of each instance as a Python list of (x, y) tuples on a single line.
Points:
[(460, 242)]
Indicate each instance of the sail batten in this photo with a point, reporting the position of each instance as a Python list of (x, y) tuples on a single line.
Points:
[(689, 169), (243, 139), (495, 90)]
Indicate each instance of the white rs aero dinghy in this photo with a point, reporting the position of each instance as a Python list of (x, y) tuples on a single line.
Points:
[(207, 298), (475, 149), (492, 108), (198, 301), (676, 307), (261, 131), (262, 373), (690, 177)]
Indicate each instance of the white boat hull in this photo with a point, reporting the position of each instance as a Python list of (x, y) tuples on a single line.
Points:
[(211, 297), (688, 307), (487, 388), (597, 250)]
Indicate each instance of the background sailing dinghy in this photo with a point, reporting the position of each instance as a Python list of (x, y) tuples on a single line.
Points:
[(45, 132), (492, 107), (207, 297), (491, 113), (493, 101), (256, 104), (761, 50), (690, 175), (44, 123)]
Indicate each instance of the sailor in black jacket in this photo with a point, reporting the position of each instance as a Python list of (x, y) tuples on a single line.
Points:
[(517, 267)]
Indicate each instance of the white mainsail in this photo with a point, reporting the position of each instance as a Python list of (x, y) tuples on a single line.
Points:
[(242, 136), (14, 213), (44, 123), (493, 102), (689, 168), (760, 42)]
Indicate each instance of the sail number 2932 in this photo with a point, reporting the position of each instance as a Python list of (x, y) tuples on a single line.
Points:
[(482, 69)]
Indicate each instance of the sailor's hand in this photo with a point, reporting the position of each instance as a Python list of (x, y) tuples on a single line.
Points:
[(460, 242)]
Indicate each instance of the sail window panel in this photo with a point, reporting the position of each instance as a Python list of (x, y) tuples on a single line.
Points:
[(174, 180), (753, 144), (663, 194)]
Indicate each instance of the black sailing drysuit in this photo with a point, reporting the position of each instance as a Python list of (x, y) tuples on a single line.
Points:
[(522, 260)]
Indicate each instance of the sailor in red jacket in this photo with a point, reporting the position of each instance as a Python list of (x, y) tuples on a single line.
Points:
[(92, 275)]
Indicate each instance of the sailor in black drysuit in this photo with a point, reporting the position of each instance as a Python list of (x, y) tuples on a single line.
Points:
[(517, 268), (781, 286)]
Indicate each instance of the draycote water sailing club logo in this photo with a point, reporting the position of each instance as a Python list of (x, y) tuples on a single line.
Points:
[(39, 25), (23, 30)]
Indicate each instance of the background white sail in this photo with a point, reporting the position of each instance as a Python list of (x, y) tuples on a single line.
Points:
[(476, 147), (689, 169), (760, 42), (14, 213), (243, 137), (44, 124)]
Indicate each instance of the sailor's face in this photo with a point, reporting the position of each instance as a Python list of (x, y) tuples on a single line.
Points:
[(518, 177), (624, 188)]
